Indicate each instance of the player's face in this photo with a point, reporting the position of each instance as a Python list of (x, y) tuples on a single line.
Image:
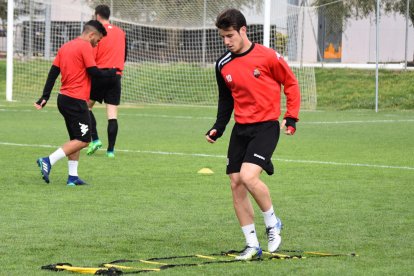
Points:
[(233, 39), (94, 38)]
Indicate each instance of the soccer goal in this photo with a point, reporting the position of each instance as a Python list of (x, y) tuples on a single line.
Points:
[(172, 45)]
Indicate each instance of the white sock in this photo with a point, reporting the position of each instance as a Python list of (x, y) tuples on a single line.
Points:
[(269, 218), (56, 156), (249, 232), (73, 167)]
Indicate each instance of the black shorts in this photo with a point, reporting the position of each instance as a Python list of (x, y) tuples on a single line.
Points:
[(253, 143), (107, 90), (77, 118)]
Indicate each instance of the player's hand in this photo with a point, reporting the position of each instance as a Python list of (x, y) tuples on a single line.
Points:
[(289, 125), (212, 135), (40, 103)]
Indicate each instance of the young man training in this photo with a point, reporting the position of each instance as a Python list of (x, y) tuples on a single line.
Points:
[(249, 78), (76, 63), (111, 51)]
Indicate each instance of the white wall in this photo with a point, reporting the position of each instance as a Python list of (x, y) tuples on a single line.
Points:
[(359, 40), (70, 10)]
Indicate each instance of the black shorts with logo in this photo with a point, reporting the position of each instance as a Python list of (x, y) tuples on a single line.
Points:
[(253, 143), (106, 89), (77, 118)]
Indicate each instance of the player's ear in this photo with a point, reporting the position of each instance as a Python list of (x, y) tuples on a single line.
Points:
[(92, 35), (243, 30)]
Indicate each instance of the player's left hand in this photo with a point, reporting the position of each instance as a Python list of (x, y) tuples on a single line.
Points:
[(289, 125), (40, 103)]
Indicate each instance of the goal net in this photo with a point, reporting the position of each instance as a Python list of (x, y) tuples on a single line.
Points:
[(172, 45)]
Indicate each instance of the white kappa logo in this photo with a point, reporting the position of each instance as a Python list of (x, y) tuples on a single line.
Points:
[(84, 128)]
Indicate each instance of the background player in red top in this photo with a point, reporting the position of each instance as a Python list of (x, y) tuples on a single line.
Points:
[(249, 78), (75, 62), (111, 52)]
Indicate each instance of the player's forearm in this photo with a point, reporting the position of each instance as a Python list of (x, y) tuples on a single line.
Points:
[(95, 72), (126, 49), (292, 93), (50, 82), (224, 111)]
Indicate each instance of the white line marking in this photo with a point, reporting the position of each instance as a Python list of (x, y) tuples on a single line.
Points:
[(360, 122), (213, 118), (167, 116), (223, 156)]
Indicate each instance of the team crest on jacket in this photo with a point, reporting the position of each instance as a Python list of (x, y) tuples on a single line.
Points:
[(256, 73)]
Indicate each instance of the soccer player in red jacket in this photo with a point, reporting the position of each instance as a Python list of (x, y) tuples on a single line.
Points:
[(75, 62), (249, 78), (111, 52)]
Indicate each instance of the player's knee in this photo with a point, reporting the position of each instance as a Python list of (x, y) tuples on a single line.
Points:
[(235, 181), (235, 185), (249, 179)]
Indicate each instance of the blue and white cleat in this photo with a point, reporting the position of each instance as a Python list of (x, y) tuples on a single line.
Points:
[(75, 181), (45, 168), (250, 253), (273, 236)]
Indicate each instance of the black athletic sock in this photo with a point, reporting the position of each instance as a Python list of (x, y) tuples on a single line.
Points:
[(94, 132), (112, 133)]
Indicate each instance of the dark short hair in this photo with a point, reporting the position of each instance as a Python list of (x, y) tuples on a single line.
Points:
[(230, 18), (103, 11), (94, 25)]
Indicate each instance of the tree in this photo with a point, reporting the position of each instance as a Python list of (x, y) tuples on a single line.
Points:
[(21, 8), (3, 13), (362, 8), (401, 7)]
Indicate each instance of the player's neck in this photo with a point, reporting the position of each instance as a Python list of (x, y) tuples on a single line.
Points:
[(246, 46), (104, 22), (83, 37)]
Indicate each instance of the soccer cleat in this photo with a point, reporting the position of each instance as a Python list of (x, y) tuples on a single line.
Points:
[(75, 181), (250, 253), (273, 235), (94, 146), (45, 167), (110, 154)]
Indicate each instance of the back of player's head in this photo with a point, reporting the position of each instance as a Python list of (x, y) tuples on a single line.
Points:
[(230, 18), (94, 26), (103, 11)]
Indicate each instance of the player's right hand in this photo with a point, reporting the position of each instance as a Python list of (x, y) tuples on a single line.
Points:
[(40, 103), (211, 135)]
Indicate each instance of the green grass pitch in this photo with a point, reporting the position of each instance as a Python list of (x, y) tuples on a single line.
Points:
[(343, 183)]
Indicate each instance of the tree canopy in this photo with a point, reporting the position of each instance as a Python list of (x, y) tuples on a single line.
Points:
[(362, 8)]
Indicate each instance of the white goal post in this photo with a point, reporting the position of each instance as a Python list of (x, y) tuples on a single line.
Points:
[(172, 45)]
